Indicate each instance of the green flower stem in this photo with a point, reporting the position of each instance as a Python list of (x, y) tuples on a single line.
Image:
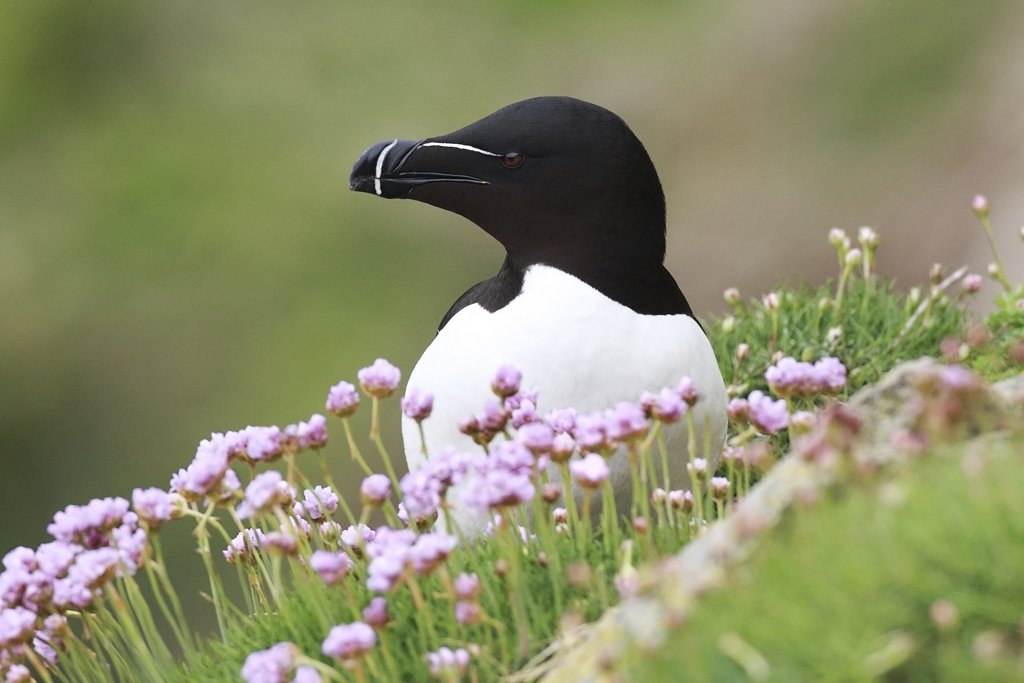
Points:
[(216, 589), (379, 443), (423, 439), (569, 498), (423, 613), (357, 457), (387, 655), (542, 523), (609, 521), (1000, 274), (38, 665), (508, 533), (139, 609), (160, 570)]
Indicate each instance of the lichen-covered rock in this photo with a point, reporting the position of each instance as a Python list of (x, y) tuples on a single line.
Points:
[(916, 402)]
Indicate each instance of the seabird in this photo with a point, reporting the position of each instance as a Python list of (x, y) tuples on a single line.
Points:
[(582, 303)]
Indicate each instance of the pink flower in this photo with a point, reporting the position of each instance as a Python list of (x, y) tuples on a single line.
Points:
[(342, 399), (332, 567), (349, 641), (380, 379), (506, 381), (272, 665), (767, 415), (417, 406), (591, 471), (375, 489)]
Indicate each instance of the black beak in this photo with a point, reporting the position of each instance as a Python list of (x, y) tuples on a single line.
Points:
[(381, 171)]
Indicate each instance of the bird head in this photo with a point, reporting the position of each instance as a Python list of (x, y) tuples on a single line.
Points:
[(554, 179)]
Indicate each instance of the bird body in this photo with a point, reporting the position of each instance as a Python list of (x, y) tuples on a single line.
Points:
[(580, 349), (582, 304)]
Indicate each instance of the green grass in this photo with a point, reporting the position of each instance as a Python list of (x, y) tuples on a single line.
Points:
[(839, 583)]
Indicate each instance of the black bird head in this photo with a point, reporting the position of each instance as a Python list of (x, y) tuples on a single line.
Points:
[(554, 179)]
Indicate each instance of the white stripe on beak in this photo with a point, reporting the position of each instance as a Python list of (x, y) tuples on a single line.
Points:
[(380, 167), (455, 145)]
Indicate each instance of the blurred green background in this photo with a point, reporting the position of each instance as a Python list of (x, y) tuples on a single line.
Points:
[(179, 252)]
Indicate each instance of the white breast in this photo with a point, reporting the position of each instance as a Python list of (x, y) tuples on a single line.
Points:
[(581, 349)]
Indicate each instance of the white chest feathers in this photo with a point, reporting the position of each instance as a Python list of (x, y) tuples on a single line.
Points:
[(579, 348)]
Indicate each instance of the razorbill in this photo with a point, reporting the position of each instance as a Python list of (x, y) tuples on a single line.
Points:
[(582, 303)]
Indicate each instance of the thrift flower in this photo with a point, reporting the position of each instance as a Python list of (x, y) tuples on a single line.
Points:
[(244, 544), (19, 673), (719, 488), (263, 444), (448, 664), (591, 471), (979, 205), (666, 406), (358, 536), (681, 500), (307, 674), (376, 613), (972, 283), (698, 468), (421, 493), (506, 381), (430, 551), (264, 492), (331, 567), (562, 420), (562, 447), (309, 434), (390, 551), (591, 432), (272, 665), (767, 415), (349, 641), (320, 502), (417, 406), (537, 436), (626, 422), (380, 379), (17, 625), (467, 586), (468, 613), (342, 399), (154, 506), (375, 489)]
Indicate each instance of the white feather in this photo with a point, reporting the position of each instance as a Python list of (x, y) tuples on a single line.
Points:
[(582, 350)]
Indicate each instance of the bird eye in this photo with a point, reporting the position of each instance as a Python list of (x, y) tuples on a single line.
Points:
[(512, 160)]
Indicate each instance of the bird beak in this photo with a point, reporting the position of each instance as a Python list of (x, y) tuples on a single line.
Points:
[(381, 170)]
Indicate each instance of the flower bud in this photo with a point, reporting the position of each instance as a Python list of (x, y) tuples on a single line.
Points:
[(720, 488), (979, 205), (837, 237), (732, 295), (971, 283), (551, 492), (771, 301), (728, 324), (854, 258), (834, 335), (935, 273), (742, 352), (993, 270), (868, 237)]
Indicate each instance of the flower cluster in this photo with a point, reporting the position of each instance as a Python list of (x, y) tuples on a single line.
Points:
[(789, 377)]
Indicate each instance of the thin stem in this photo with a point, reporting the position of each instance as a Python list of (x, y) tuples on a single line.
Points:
[(1000, 274)]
